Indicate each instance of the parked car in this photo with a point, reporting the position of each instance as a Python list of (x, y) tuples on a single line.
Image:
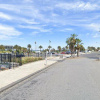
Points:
[(20, 55), (63, 53), (68, 52), (53, 53)]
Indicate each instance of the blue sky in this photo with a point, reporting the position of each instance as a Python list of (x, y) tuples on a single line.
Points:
[(23, 22)]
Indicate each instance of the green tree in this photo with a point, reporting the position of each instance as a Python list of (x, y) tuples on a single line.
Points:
[(91, 48), (19, 48), (49, 47), (66, 47), (23, 49), (63, 49), (78, 44), (98, 48), (16, 47), (71, 42), (59, 48), (40, 47), (2, 47), (53, 50), (82, 48), (29, 47), (46, 50)]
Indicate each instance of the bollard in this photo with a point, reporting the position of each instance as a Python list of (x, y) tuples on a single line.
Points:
[(46, 58), (61, 56), (9, 65)]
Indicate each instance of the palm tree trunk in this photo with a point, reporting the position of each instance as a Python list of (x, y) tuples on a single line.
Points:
[(71, 53), (28, 54), (77, 53)]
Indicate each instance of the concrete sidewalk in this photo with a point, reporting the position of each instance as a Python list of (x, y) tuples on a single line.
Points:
[(10, 76)]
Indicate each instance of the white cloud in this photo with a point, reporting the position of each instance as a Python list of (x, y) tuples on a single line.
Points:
[(26, 10), (66, 29), (87, 34), (78, 6), (17, 19), (39, 28), (5, 16), (54, 14), (29, 1), (28, 21), (96, 35), (24, 20), (94, 26), (30, 13), (8, 32), (10, 7), (25, 13), (34, 33)]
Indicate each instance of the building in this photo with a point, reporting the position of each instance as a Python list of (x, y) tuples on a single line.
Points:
[(8, 47)]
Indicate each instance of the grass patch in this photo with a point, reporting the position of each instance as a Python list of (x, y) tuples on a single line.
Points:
[(26, 60), (5, 52)]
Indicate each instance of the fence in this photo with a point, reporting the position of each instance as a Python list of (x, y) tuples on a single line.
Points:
[(7, 61), (43, 55)]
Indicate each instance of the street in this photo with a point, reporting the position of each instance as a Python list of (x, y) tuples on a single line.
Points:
[(71, 79)]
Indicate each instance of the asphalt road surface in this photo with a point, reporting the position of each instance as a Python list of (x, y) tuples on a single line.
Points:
[(72, 79)]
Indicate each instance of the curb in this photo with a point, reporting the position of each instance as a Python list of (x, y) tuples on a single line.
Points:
[(23, 79)]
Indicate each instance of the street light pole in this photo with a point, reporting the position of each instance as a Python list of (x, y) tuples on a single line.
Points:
[(35, 46), (49, 44)]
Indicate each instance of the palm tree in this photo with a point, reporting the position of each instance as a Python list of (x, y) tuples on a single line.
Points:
[(40, 47), (29, 47), (66, 47), (78, 43), (71, 43), (49, 47), (59, 48)]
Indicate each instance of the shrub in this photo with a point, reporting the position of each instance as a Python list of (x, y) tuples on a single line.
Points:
[(30, 59)]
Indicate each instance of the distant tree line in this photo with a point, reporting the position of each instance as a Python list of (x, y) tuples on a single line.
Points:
[(2, 47), (73, 44), (91, 48)]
